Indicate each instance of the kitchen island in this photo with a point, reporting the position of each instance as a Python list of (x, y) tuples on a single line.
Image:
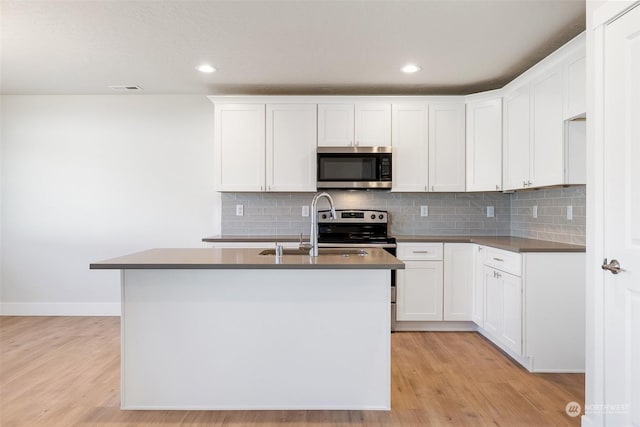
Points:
[(230, 329)]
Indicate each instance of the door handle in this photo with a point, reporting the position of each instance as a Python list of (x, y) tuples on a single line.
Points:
[(613, 266)]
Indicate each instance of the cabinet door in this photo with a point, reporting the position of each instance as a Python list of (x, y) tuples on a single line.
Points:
[(547, 146), (458, 281), (515, 151), (575, 87), (240, 147), (419, 291), (477, 311), (335, 125), (291, 147), (410, 147), (372, 125), (511, 333), (492, 302), (484, 145), (446, 147)]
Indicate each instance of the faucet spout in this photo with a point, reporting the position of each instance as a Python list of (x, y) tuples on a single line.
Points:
[(313, 238)]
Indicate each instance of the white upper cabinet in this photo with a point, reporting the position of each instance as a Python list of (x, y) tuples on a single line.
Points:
[(335, 125), (239, 147), (410, 147), (447, 147), (517, 133), (540, 148), (262, 147), (373, 125), (484, 145), (547, 150), (291, 147), (576, 86), (362, 124)]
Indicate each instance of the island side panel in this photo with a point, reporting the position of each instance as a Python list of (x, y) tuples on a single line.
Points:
[(256, 339)]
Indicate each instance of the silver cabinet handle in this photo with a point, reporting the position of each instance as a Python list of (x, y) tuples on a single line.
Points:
[(498, 275), (524, 183), (420, 252), (613, 266), (497, 187), (479, 248), (498, 259), (529, 183)]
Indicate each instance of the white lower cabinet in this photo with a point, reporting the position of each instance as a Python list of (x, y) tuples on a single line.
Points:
[(419, 285), (503, 308), (477, 304), (419, 291), (537, 314), (437, 283), (458, 281)]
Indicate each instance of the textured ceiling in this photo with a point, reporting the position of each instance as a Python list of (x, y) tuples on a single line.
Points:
[(277, 47)]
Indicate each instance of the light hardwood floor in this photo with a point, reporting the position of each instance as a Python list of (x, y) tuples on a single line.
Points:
[(65, 371)]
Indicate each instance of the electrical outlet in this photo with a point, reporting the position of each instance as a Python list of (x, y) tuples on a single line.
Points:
[(490, 212), (239, 210), (424, 210), (570, 212), (305, 210), (535, 211)]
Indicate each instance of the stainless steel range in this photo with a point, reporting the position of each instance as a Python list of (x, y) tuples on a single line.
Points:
[(359, 229)]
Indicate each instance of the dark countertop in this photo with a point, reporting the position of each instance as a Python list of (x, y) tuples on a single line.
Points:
[(242, 259), (509, 243)]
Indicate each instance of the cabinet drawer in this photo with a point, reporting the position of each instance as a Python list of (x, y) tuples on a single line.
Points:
[(511, 262), (420, 251)]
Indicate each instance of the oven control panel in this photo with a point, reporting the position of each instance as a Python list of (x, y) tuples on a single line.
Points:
[(354, 216)]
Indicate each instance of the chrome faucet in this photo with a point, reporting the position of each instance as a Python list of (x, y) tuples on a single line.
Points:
[(313, 237)]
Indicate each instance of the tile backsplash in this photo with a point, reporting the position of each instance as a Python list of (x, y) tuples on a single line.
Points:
[(551, 223), (449, 213)]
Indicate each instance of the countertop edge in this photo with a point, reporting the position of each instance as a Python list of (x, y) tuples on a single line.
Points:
[(246, 267)]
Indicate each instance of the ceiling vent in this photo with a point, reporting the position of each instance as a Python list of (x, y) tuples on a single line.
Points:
[(125, 88)]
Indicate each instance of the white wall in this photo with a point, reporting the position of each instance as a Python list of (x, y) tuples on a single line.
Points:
[(85, 178)]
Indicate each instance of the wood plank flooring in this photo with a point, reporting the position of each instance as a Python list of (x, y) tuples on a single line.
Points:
[(65, 371)]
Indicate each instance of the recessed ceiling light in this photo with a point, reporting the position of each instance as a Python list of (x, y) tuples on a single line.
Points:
[(410, 68), (205, 68)]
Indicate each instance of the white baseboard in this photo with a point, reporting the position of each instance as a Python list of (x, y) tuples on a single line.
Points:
[(60, 309)]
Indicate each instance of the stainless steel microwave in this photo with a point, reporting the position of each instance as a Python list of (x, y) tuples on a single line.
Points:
[(354, 167)]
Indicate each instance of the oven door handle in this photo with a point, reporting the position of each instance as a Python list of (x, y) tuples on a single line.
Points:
[(357, 245)]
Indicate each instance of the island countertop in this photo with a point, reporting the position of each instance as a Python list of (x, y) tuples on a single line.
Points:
[(237, 258)]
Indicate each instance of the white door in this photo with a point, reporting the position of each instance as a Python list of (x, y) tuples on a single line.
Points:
[(291, 147), (335, 125), (492, 302), (515, 153), (511, 332), (484, 145), (458, 281), (410, 147), (239, 147), (419, 291), (477, 310), (547, 145), (446, 147), (622, 219), (373, 125)]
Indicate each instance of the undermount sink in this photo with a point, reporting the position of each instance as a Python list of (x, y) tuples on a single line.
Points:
[(321, 251)]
